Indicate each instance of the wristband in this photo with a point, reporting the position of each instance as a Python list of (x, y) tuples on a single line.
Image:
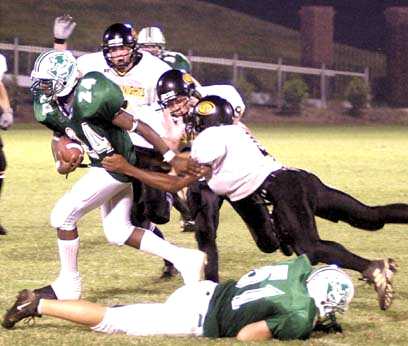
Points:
[(135, 125), (59, 40), (168, 155)]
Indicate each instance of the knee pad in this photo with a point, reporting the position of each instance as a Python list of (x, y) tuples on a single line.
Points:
[(62, 216), (117, 231)]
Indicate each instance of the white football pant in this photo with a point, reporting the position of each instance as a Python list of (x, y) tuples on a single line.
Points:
[(95, 189), (182, 314)]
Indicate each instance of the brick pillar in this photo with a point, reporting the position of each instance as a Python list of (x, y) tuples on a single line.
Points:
[(316, 29), (397, 55)]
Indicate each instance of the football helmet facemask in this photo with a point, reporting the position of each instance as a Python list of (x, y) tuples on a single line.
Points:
[(212, 111), (120, 35), (54, 74), (332, 290)]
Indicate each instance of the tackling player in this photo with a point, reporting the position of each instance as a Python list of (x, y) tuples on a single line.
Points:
[(285, 301), (178, 93), (90, 112), (237, 169)]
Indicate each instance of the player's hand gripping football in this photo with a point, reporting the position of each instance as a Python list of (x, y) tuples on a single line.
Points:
[(67, 166)]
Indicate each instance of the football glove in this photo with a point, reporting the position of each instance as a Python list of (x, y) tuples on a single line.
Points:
[(6, 119), (63, 27)]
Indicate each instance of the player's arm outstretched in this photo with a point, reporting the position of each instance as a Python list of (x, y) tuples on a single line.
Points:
[(179, 162), (161, 181)]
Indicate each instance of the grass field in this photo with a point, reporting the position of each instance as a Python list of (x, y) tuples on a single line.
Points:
[(368, 162)]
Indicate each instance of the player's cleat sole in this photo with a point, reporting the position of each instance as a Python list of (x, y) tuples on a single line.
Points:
[(25, 306), (380, 273)]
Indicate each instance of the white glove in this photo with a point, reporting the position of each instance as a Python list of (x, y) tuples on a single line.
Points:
[(63, 27), (6, 119)]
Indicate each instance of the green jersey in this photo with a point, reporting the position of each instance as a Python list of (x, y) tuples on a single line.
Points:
[(96, 101), (176, 60), (276, 294), (51, 114)]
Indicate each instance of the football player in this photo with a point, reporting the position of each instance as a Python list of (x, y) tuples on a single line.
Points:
[(285, 301), (236, 168), (178, 93), (136, 73), (151, 39), (89, 111), (6, 120)]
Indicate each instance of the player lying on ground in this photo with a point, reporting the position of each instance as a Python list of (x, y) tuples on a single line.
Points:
[(235, 168), (281, 301)]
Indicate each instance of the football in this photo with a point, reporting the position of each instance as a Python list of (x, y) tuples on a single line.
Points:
[(68, 150)]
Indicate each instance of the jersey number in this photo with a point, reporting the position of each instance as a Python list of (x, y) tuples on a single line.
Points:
[(98, 143), (267, 273), (86, 95)]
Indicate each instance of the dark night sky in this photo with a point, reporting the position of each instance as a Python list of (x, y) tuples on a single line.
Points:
[(359, 23)]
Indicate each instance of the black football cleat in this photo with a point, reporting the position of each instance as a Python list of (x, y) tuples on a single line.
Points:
[(45, 292), (188, 226), (25, 306)]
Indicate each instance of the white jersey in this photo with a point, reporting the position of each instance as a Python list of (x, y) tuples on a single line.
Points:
[(238, 165), (227, 92), (138, 86), (3, 66), (152, 116)]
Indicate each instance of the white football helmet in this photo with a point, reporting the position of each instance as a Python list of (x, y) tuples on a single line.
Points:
[(55, 73), (151, 36), (332, 290)]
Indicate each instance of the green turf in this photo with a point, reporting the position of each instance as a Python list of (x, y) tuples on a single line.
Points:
[(368, 162)]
